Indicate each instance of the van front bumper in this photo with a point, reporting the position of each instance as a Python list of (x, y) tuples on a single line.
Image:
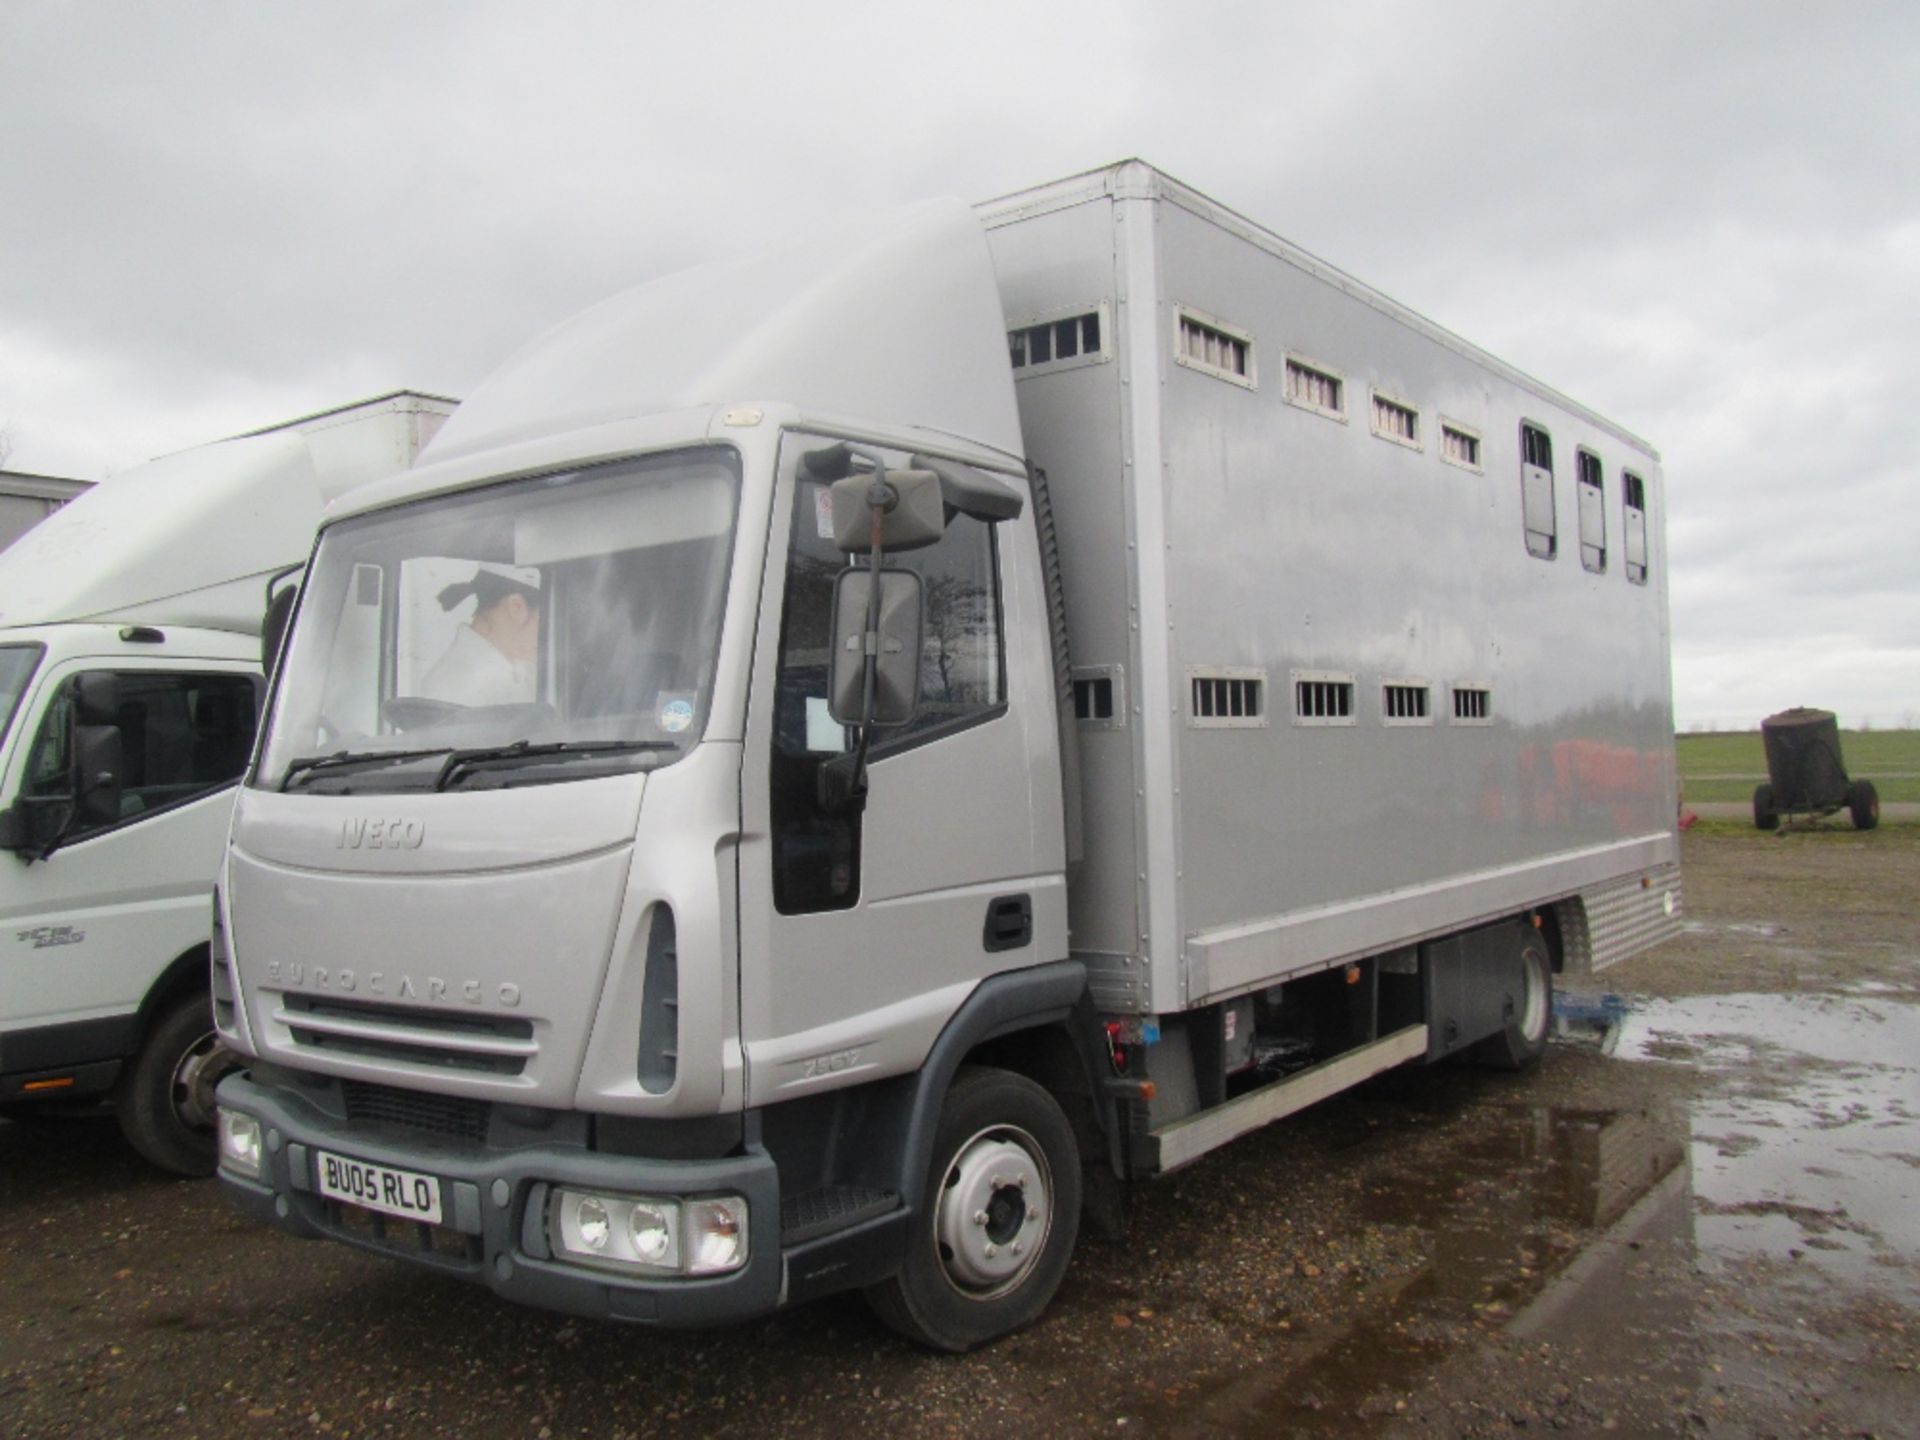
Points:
[(494, 1205)]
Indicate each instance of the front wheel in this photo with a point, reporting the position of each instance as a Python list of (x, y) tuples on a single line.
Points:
[(996, 1225), (1524, 1040), (1863, 803), (165, 1101)]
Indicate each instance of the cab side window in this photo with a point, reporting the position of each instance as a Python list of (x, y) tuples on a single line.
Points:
[(181, 736), (816, 856)]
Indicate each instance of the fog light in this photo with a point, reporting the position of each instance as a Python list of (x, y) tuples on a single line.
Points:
[(716, 1235), (239, 1143)]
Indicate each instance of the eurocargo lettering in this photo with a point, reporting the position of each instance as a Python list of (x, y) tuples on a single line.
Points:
[(962, 711)]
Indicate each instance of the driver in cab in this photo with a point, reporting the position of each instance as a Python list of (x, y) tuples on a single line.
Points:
[(492, 658)]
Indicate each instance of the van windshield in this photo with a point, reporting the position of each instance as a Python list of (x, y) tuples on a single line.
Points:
[(525, 633), (17, 664)]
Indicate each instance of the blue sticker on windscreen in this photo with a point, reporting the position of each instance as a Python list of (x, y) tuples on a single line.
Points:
[(676, 715)]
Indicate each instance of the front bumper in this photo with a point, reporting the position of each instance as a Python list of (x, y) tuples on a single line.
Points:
[(494, 1203)]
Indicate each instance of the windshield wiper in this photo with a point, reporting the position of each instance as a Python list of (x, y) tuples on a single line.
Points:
[(460, 763), (307, 763)]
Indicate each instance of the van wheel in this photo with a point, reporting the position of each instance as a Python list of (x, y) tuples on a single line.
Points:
[(1863, 801), (1765, 817), (1524, 1040), (995, 1228), (165, 1100)]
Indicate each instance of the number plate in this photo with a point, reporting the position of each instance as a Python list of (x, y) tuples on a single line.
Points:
[(378, 1187)]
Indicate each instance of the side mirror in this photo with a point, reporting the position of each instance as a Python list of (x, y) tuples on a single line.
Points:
[(896, 690), (283, 589), (97, 783), (273, 626), (916, 516), (31, 826)]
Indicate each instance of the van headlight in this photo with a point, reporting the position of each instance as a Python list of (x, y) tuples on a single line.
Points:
[(239, 1143), (649, 1234)]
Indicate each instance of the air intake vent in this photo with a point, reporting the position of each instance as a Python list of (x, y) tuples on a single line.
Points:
[(660, 1005), (413, 1110)]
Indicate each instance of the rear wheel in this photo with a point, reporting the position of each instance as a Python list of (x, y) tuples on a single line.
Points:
[(165, 1101), (1765, 817), (1863, 801), (997, 1222), (1524, 1040)]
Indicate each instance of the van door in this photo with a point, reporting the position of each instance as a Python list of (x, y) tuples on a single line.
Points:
[(861, 934), (86, 931)]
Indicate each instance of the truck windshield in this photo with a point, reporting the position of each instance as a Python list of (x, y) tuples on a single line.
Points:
[(16, 669), (526, 633)]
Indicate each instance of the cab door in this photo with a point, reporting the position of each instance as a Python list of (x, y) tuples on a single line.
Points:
[(85, 931), (860, 935)]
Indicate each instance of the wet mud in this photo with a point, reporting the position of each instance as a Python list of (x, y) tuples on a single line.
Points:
[(1696, 1217)]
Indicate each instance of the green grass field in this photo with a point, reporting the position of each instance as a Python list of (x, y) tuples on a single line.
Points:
[(1726, 767)]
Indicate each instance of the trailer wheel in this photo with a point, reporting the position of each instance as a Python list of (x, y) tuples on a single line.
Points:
[(1765, 817), (1524, 1041), (996, 1227), (165, 1100), (1863, 801)]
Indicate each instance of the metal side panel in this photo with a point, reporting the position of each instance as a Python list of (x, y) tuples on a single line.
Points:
[(1184, 1140), (1615, 922)]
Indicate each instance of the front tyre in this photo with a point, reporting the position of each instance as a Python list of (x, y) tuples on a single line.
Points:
[(1524, 1040), (996, 1227), (165, 1100)]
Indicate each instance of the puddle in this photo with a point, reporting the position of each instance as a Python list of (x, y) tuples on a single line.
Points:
[(1590, 1229), (1811, 1149), (1533, 1212)]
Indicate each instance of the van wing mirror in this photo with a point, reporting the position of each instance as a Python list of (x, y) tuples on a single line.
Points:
[(896, 670), (96, 698), (97, 782)]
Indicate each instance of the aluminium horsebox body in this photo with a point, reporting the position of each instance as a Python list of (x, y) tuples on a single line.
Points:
[(1257, 688), (132, 615)]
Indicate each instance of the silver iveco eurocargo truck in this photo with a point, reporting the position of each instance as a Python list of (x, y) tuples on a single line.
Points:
[(830, 755)]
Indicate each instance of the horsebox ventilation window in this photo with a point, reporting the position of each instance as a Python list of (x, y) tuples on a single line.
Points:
[(1226, 698), (1536, 492), (1472, 705), (1633, 499), (1322, 698), (1058, 343), (1459, 445), (1215, 348), (1316, 388), (1395, 421), (1406, 702)]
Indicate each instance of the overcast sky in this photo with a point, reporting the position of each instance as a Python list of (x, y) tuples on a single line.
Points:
[(1701, 220)]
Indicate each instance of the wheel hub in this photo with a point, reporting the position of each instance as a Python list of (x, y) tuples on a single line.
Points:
[(200, 1070), (994, 1212)]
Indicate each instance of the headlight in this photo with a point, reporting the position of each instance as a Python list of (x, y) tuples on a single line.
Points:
[(239, 1143), (649, 1234)]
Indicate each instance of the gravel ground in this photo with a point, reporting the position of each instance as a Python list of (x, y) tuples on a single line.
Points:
[(1700, 1226)]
